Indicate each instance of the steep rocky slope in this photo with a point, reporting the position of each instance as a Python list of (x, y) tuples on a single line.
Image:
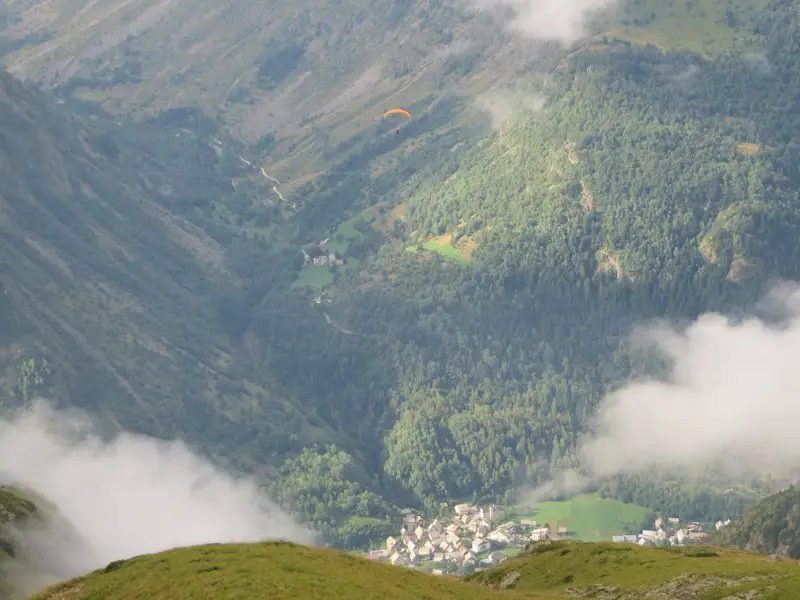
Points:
[(108, 295)]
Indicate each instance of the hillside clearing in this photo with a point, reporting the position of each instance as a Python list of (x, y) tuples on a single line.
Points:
[(748, 148), (442, 245), (338, 243)]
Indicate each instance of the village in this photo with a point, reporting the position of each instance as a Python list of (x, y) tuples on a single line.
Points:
[(668, 532), (471, 540)]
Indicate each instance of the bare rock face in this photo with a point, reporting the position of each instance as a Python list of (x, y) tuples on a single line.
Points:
[(694, 587), (509, 581), (597, 591)]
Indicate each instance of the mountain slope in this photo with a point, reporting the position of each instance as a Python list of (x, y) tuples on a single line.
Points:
[(489, 281), (124, 295), (303, 79), (29, 558), (772, 526), (561, 570), (643, 184), (109, 296), (278, 69), (16, 509)]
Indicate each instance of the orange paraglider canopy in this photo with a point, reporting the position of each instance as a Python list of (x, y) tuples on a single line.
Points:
[(397, 111)]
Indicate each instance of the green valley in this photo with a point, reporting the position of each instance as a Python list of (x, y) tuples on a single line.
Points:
[(163, 213)]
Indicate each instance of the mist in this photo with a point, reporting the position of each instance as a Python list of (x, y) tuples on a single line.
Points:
[(548, 20), (730, 403), (758, 62), (503, 106), (131, 495)]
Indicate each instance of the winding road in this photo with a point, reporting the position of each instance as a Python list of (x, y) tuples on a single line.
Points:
[(274, 181)]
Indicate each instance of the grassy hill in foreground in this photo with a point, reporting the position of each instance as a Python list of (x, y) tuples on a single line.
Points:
[(565, 569)]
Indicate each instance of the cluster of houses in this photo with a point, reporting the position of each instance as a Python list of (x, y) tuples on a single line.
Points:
[(324, 259), (468, 541), (669, 532), (329, 259)]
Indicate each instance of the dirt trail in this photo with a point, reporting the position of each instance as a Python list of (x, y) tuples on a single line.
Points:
[(333, 323), (274, 181)]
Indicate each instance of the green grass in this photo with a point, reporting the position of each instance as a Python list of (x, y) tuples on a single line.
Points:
[(445, 250), (16, 508), (227, 218), (15, 505), (313, 277), (443, 247), (339, 241), (278, 571), (346, 233), (698, 25), (589, 517), (713, 572), (284, 571)]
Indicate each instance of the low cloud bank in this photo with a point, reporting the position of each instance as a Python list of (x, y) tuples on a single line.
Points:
[(549, 20), (731, 403), (132, 495)]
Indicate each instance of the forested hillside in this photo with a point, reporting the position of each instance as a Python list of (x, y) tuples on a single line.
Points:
[(109, 297), (155, 274), (651, 184), (770, 527)]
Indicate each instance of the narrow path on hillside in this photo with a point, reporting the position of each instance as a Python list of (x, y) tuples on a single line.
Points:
[(274, 181), (333, 324)]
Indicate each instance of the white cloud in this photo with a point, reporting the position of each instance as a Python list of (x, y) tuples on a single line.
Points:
[(553, 20), (731, 403), (504, 105), (133, 495)]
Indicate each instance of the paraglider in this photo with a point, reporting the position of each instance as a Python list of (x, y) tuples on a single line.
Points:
[(397, 111)]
